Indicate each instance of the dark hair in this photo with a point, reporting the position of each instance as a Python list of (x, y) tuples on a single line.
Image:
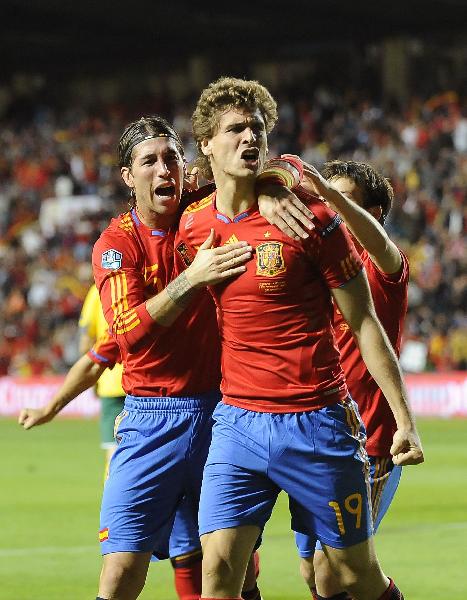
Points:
[(143, 129), (221, 95), (376, 189)]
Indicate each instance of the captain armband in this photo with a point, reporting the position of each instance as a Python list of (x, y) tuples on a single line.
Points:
[(285, 170)]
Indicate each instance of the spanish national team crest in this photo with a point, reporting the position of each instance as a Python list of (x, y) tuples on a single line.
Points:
[(111, 259), (269, 259)]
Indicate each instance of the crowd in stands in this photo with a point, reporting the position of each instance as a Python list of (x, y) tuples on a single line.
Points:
[(52, 152)]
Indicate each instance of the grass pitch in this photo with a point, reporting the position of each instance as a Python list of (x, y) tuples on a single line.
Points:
[(50, 486)]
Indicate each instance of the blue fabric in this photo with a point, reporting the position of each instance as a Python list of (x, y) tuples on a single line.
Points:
[(383, 487), (156, 471), (316, 457)]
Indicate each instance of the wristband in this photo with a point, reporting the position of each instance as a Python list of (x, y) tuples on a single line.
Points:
[(285, 170)]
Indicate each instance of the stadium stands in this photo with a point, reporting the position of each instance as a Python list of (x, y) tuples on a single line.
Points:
[(51, 152)]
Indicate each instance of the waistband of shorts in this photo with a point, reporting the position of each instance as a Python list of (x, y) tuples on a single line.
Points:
[(194, 403)]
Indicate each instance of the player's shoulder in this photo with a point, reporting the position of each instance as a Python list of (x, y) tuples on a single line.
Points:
[(119, 230), (117, 240), (325, 219)]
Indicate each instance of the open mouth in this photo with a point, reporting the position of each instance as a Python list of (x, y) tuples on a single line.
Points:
[(250, 155), (166, 191)]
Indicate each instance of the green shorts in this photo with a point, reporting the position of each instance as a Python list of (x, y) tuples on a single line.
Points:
[(110, 408)]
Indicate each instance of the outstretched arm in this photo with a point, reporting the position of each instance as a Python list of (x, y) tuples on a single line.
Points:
[(82, 375), (355, 303), (366, 229)]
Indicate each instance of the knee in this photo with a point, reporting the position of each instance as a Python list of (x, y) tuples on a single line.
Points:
[(351, 575), (217, 568), (122, 576)]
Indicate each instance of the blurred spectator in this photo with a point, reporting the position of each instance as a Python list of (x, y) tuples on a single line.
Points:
[(68, 153)]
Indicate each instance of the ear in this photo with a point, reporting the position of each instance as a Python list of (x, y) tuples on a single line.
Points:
[(375, 211), (127, 177), (206, 147)]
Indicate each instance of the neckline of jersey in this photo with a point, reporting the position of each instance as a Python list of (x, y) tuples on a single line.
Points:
[(154, 232), (239, 217)]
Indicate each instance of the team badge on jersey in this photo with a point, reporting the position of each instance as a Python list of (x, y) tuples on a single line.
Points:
[(111, 259), (270, 259), (185, 254)]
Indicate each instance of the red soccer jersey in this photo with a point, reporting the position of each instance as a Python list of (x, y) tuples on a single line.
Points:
[(390, 297), (278, 348), (105, 352), (132, 263)]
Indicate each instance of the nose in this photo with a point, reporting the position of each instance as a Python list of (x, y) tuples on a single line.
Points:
[(249, 135), (162, 169)]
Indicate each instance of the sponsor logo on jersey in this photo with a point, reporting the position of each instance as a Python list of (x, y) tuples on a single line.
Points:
[(111, 259), (270, 259), (185, 254)]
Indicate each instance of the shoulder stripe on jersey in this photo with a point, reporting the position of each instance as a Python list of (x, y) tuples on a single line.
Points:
[(199, 205)]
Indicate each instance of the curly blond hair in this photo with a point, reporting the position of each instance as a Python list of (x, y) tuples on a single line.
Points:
[(222, 95)]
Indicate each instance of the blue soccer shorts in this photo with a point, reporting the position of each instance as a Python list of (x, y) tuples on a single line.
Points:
[(156, 471), (316, 457), (384, 479)]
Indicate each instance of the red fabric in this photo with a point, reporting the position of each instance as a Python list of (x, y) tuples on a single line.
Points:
[(278, 347), (188, 581), (105, 352), (159, 361), (390, 297), (392, 593)]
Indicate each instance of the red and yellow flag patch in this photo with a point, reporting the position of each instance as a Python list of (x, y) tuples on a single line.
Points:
[(104, 534)]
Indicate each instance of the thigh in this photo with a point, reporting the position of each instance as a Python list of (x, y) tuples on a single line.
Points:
[(226, 554), (146, 481)]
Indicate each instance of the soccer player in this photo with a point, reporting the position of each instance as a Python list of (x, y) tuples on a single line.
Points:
[(286, 421), (363, 198), (170, 357), (184, 539)]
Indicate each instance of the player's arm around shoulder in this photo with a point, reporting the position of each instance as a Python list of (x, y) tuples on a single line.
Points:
[(361, 222), (356, 305), (368, 232), (277, 202)]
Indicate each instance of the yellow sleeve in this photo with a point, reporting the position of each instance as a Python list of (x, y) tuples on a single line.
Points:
[(88, 319)]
